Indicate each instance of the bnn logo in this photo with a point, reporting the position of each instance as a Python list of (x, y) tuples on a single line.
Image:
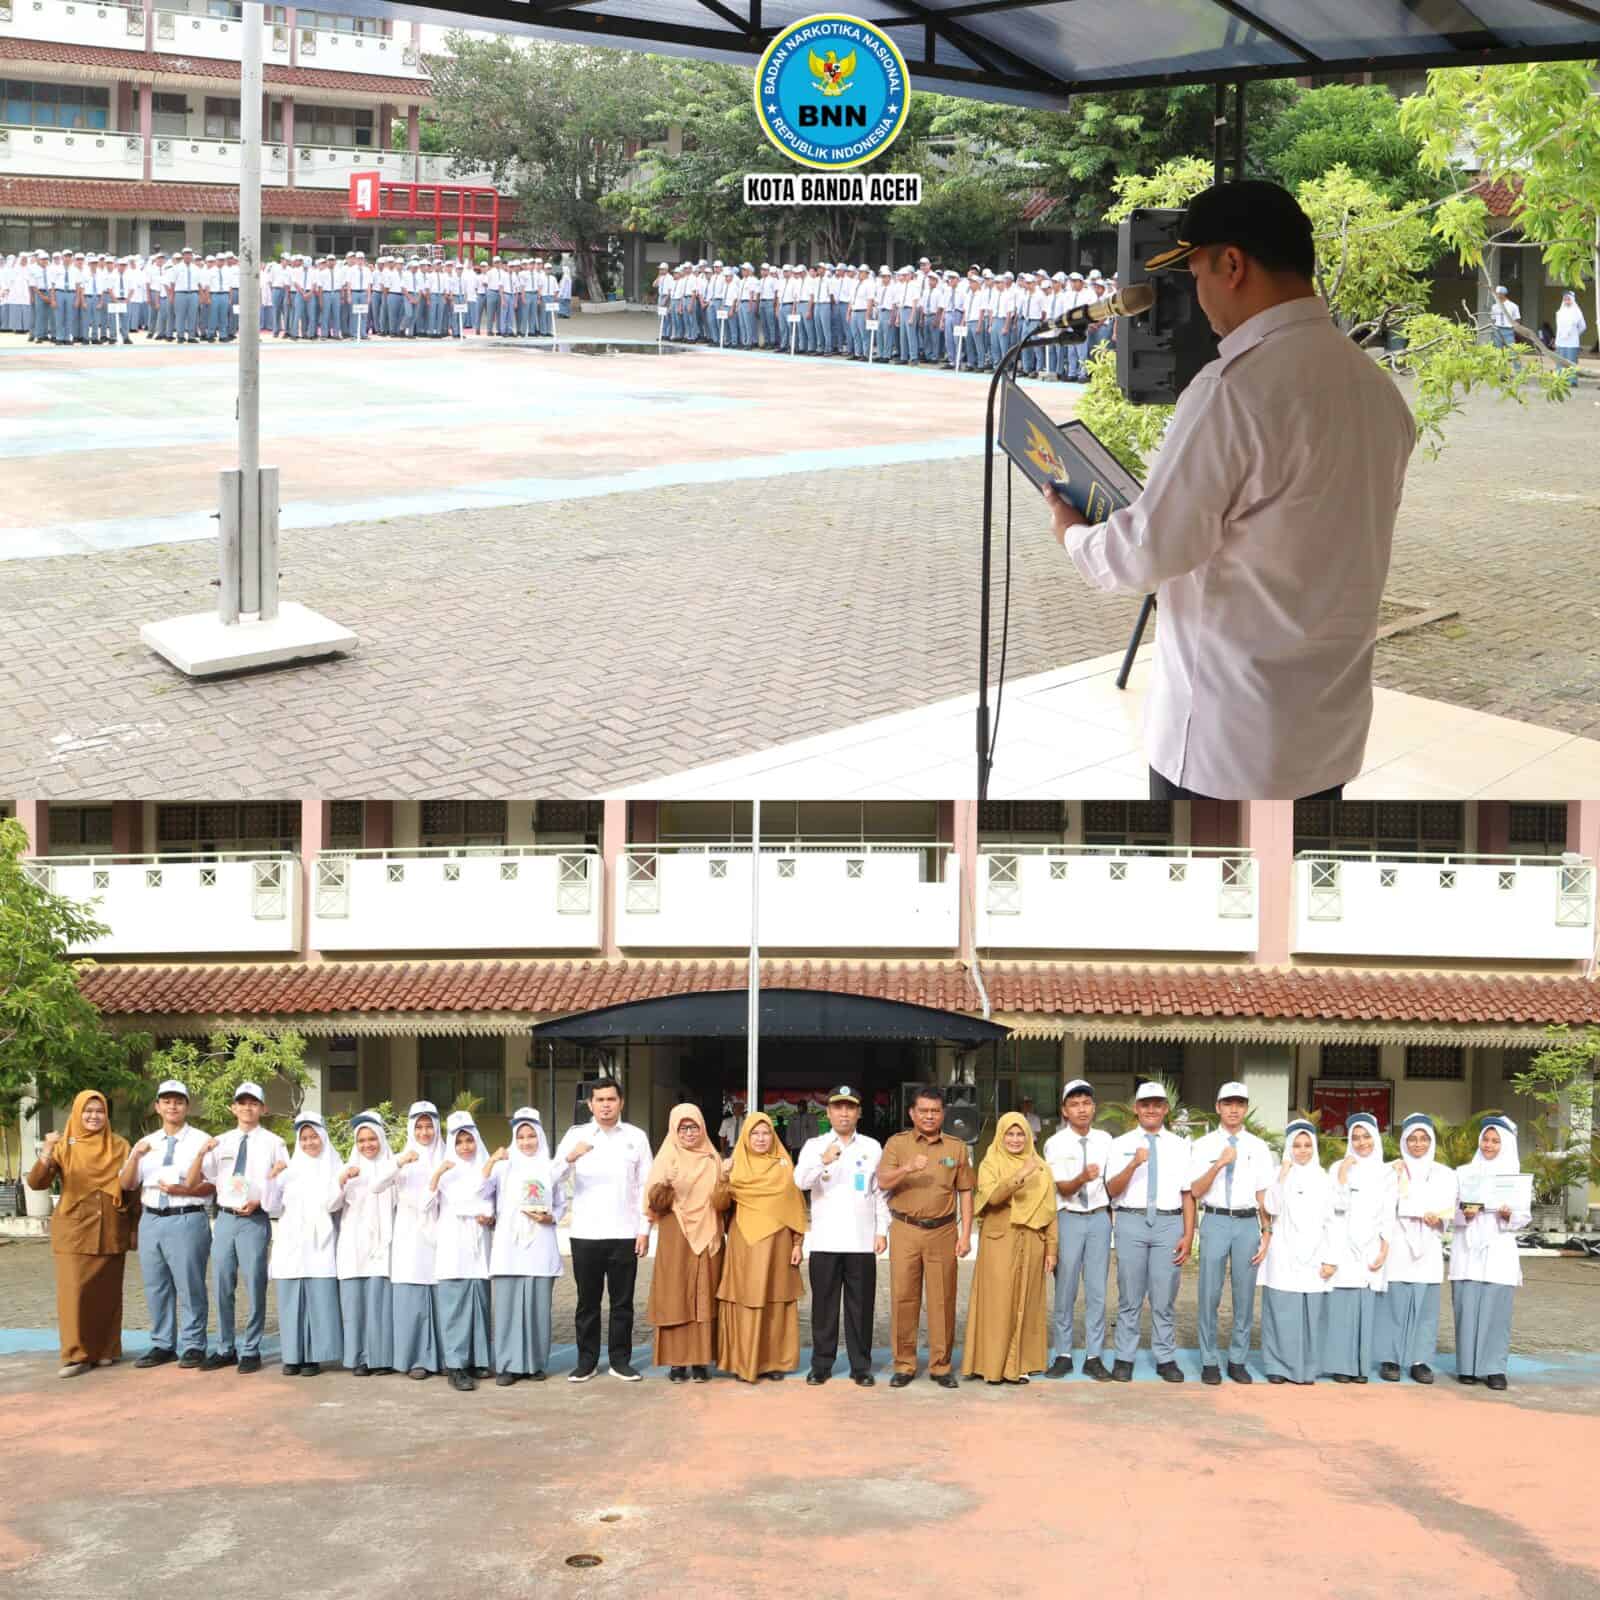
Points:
[(833, 116)]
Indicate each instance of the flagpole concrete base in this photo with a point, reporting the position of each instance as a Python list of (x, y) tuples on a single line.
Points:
[(204, 646)]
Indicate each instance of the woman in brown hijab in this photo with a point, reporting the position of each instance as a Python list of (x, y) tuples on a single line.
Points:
[(1006, 1335), (685, 1196), (91, 1231), (758, 1322)]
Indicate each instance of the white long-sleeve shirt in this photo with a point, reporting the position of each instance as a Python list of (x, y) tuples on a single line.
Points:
[(1485, 1249), (416, 1226), (1265, 532), (848, 1209), (1363, 1218), (1296, 1252), (523, 1248), (366, 1229), (1570, 324), (1416, 1251), (608, 1182)]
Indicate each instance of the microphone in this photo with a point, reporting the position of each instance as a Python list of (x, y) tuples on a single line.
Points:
[(1127, 302)]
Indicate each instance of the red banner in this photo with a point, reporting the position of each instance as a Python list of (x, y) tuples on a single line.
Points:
[(1338, 1101)]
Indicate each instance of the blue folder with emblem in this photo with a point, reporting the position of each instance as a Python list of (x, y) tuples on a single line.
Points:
[(1065, 455)]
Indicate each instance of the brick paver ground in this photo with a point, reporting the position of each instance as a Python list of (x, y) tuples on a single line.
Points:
[(580, 645)]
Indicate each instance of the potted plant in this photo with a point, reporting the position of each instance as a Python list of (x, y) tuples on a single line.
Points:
[(1559, 1140)]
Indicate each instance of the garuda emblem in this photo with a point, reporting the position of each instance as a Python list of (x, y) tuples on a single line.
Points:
[(830, 74)]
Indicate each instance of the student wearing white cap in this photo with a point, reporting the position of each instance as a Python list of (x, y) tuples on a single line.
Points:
[(38, 272), (461, 1258), (564, 287), (1149, 1186), (1485, 1271), (1299, 1267), (1360, 1234), (1229, 1170), (1077, 1155), (416, 1232), (304, 1201), (525, 1258), (174, 1235), (183, 282), (1078, 294), (366, 1238), (237, 1164), (1425, 1200), (1504, 315)]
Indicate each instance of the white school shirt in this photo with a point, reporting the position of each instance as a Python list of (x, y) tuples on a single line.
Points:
[(1253, 1169), (865, 294), (1416, 1251), (1065, 1156), (277, 275), (607, 1183), (262, 1152), (366, 1226), (564, 284), (523, 1248), (36, 275), (848, 1209), (1038, 302), (894, 296), (471, 283), (305, 1239), (663, 288), (184, 277), (1172, 1175), (211, 279), (769, 287), (55, 276), (462, 1250), (732, 291), (1265, 532), (155, 280), (230, 276), (1485, 1249), (1283, 1267), (1504, 313), (1367, 1194), (750, 291), (1570, 324), (154, 1166), (416, 1225)]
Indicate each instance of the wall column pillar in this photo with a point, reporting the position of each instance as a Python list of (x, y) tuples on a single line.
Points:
[(1268, 830)]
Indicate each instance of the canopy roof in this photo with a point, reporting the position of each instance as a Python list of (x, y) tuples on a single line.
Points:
[(1041, 52)]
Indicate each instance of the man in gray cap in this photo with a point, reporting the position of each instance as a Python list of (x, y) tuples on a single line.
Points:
[(174, 1236), (238, 1165), (1229, 1171), (1076, 1155)]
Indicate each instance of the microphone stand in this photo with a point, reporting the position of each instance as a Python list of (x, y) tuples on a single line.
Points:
[(1147, 608)]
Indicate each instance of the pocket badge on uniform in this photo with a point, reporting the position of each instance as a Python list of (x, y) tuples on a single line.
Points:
[(947, 1161), (861, 1183)]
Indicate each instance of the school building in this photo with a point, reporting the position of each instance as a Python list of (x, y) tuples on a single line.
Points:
[(119, 125), (1396, 956)]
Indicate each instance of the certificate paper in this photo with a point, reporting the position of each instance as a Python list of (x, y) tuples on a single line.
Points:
[(1514, 1189), (535, 1196), (234, 1191)]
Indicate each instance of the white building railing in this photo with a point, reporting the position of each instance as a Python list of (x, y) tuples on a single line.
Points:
[(378, 55), (222, 903), (71, 152), (1399, 903), (815, 895), (1117, 897), (108, 27), (473, 897)]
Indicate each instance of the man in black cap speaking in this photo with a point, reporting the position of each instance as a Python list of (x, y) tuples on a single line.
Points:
[(1266, 524), (849, 1230)]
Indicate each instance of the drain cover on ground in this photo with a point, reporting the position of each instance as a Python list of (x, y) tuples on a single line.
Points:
[(584, 1561)]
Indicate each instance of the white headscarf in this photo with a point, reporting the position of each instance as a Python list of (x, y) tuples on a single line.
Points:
[(376, 1217), (429, 1156), (461, 1188), (1366, 1184), (1508, 1162), (1415, 1169), (310, 1180), (1305, 1194), (523, 1170)]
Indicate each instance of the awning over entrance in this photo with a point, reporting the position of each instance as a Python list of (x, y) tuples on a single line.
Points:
[(784, 1013), (1041, 52)]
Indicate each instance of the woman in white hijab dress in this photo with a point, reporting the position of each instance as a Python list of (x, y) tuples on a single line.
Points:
[(303, 1199), (525, 1259), (461, 1258), (1425, 1200), (1359, 1234), (416, 1232), (366, 1237), (1298, 1269), (1485, 1271)]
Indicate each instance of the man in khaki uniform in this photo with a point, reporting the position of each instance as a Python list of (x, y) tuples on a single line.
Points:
[(928, 1179)]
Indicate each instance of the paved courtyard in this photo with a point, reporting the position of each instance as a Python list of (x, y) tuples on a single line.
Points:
[(346, 1488), (575, 573)]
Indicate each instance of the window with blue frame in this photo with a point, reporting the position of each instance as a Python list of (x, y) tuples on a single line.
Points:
[(53, 105)]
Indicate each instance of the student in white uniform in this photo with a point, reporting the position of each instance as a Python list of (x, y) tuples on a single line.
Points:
[(366, 1237), (305, 1197), (1230, 1169), (1148, 1183), (238, 1165), (849, 1231), (525, 1258), (1485, 1271), (1360, 1233), (416, 1233), (461, 1260), (1299, 1268), (1077, 1156), (174, 1234), (1425, 1200)]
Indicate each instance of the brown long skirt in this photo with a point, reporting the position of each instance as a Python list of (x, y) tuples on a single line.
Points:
[(89, 1307), (1006, 1335), (683, 1299), (758, 1319)]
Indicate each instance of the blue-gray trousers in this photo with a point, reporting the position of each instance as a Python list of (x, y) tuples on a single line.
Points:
[(239, 1247), (1145, 1269), (1225, 1240), (1083, 1249), (172, 1261), (366, 1306), (1483, 1327)]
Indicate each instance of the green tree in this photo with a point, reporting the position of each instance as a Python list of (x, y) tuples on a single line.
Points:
[(52, 1039), (1562, 1139), (554, 124), (212, 1072)]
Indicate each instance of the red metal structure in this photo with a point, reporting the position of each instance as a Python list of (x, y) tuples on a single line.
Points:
[(462, 215)]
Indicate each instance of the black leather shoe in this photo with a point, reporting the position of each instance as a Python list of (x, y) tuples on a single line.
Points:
[(1122, 1371), (536, 1377), (700, 1374), (1169, 1372), (770, 1377), (1342, 1377), (290, 1370), (504, 1380), (462, 1380), (1464, 1377), (193, 1360), (217, 1360), (863, 1380), (1060, 1367), (419, 1373), (1275, 1377), (480, 1372), (1095, 1368), (901, 1379), (677, 1375), (1421, 1374), (1211, 1376), (311, 1369), (945, 1380), (815, 1380), (1389, 1371), (1239, 1373), (249, 1364), (361, 1370), (1496, 1381)]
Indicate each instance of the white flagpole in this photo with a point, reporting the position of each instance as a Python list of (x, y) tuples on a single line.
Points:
[(753, 983)]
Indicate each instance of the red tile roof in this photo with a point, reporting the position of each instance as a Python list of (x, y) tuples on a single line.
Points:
[(164, 64), (553, 988), (1039, 204), (58, 196), (1500, 198)]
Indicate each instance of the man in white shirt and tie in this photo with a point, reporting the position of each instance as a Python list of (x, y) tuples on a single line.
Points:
[(1228, 1173), (1077, 1156), (1504, 315), (849, 1231), (1266, 526), (238, 1165), (174, 1235), (1148, 1183), (183, 280), (608, 1161)]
